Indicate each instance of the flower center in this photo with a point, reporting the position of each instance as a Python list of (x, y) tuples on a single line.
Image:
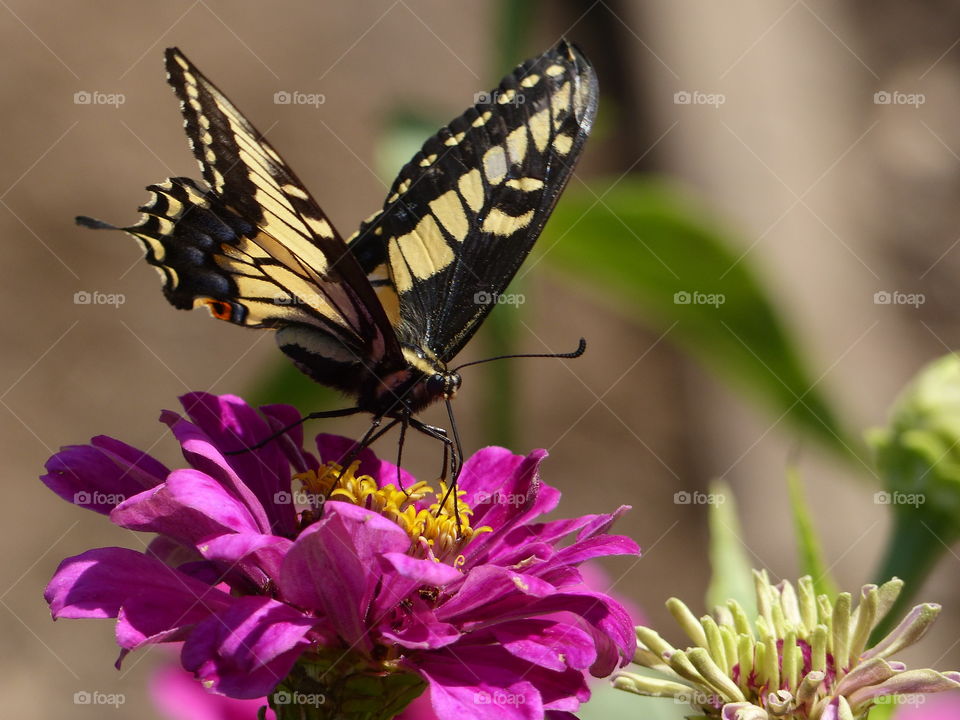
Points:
[(441, 529)]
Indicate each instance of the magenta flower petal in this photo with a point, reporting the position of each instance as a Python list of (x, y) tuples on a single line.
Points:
[(486, 607), (490, 593), (497, 595), (203, 454), (102, 474), (500, 695), (547, 643), (265, 552), (149, 599), (191, 507), (503, 686), (245, 650), (406, 574), (520, 497), (584, 550), (333, 566), (233, 425), (499, 486), (420, 630), (98, 583), (177, 696)]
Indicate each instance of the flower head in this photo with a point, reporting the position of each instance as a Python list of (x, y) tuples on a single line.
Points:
[(805, 657), (353, 587)]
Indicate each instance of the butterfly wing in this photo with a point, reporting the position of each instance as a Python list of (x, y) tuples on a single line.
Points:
[(256, 249), (464, 213)]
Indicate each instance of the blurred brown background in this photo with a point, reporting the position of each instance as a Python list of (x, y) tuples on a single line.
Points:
[(833, 196)]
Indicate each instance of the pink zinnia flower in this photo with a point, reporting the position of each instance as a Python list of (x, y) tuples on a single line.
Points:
[(366, 595)]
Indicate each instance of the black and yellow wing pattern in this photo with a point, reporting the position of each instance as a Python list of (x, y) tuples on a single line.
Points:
[(381, 315), (255, 249), (465, 211)]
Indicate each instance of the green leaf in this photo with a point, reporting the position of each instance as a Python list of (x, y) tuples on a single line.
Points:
[(732, 577), (808, 544), (659, 259)]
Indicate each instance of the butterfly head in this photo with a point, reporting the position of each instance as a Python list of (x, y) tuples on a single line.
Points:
[(443, 384)]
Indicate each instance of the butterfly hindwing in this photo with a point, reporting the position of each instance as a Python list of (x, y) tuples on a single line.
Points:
[(465, 211)]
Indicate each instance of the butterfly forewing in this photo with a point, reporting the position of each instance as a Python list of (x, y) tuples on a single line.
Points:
[(464, 213)]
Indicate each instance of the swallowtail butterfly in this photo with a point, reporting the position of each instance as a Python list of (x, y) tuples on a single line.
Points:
[(381, 315)]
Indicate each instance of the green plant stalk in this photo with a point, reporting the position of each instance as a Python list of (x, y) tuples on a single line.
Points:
[(915, 545), (731, 574), (808, 544)]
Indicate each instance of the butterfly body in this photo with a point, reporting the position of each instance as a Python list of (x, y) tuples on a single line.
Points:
[(381, 315)]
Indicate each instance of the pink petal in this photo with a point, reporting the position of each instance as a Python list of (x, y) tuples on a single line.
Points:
[(333, 566), (176, 695), (191, 507), (247, 649), (203, 454), (553, 645), (404, 574), (102, 474), (266, 552), (233, 425)]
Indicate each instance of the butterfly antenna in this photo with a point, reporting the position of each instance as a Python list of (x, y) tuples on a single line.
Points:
[(581, 348), (284, 430)]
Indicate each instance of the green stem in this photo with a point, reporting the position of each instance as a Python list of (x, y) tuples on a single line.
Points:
[(914, 548)]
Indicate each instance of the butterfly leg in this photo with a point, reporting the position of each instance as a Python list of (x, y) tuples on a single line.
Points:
[(373, 433), (404, 424), (284, 430), (452, 460), (439, 433)]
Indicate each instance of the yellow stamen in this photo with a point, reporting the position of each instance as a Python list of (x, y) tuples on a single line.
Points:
[(445, 530)]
